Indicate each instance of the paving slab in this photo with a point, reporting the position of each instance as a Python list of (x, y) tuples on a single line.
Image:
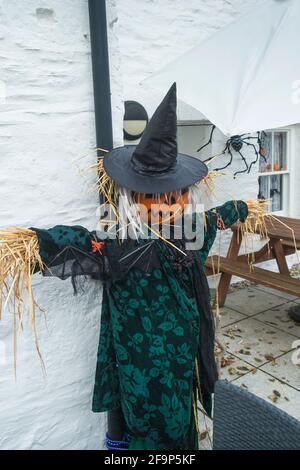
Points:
[(279, 318), (285, 370), (251, 301), (256, 342), (206, 432), (272, 390), (276, 292), (229, 316), (233, 367)]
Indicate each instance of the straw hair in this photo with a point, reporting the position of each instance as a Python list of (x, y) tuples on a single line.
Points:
[(208, 184), (105, 184), (19, 258)]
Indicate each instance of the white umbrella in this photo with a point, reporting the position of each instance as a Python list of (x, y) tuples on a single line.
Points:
[(246, 77)]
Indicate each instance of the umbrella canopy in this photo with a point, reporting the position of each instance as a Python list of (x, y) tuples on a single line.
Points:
[(246, 77)]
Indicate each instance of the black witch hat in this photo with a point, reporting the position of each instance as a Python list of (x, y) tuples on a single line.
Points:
[(154, 165)]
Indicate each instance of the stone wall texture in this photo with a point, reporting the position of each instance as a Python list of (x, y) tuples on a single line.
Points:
[(47, 124)]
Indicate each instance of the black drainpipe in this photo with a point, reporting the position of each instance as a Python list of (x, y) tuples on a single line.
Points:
[(104, 132), (101, 75)]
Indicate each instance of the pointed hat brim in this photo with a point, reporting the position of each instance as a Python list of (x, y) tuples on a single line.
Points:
[(187, 171)]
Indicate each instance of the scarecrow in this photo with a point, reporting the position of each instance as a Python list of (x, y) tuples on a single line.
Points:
[(156, 357)]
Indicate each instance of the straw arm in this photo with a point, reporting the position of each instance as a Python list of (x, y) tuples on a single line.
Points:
[(19, 259), (23, 252)]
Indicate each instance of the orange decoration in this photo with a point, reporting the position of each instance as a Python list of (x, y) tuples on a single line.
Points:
[(220, 223), (97, 246)]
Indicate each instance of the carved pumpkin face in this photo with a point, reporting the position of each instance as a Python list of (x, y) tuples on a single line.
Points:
[(163, 208)]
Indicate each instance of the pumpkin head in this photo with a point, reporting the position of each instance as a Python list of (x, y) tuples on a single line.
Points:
[(162, 208)]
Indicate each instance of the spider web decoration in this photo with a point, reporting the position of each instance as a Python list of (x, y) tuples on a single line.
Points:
[(235, 144)]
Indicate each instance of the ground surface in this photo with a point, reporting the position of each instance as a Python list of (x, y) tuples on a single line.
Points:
[(259, 340)]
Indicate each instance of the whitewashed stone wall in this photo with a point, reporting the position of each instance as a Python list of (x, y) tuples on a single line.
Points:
[(47, 122)]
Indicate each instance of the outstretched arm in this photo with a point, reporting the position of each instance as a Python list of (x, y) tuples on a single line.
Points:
[(24, 252), (221, 218), (54, 240), (228, 214)]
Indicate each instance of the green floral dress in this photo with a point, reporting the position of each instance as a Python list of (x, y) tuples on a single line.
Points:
[(149, 337)]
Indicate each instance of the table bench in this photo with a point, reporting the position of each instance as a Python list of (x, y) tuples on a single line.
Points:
[(283, 233)]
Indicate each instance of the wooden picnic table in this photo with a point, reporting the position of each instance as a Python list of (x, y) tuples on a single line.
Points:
[(283, 239)]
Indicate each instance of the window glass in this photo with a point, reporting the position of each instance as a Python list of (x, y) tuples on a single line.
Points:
[(280, 150), (274, 147), (265, 164), (271, 188)]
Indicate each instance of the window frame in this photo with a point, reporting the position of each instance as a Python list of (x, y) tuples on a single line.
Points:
[(286, 184)]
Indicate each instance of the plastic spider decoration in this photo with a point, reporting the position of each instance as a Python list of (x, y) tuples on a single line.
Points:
[(236, 144)]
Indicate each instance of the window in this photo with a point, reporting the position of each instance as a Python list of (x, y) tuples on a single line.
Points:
[(274, 169)]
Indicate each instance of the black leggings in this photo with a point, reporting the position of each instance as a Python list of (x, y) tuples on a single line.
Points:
[(116, 424)]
